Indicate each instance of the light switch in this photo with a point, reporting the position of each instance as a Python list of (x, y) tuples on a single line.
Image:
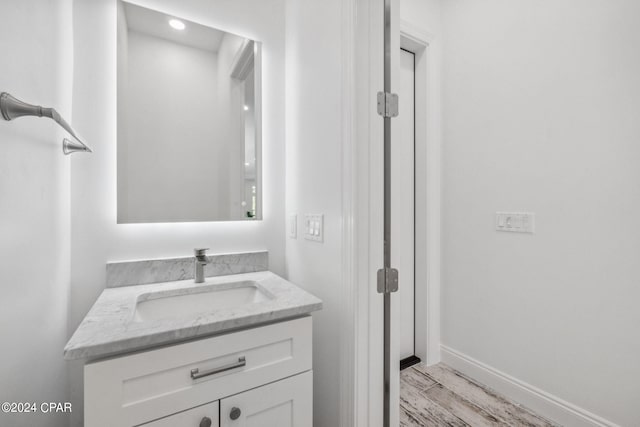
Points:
[(517, 222), (314, 227), (293, 226)]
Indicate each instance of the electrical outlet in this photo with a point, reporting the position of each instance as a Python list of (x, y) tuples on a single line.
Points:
[(515, 222), (314, 227)]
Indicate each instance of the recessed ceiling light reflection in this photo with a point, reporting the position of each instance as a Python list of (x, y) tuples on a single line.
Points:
[(177, 24)]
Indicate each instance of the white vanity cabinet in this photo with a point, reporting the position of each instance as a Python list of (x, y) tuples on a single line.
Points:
[(253, 377)]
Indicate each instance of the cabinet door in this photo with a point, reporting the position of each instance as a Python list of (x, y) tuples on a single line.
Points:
[(285, 403), (201, 416)]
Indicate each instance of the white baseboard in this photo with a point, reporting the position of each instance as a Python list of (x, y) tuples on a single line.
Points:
[(541, 402)]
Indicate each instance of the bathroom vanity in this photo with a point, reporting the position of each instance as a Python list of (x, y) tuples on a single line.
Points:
[(235, 350)]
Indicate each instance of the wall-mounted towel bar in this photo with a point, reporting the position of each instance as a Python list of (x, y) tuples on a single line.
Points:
[(12, 108)]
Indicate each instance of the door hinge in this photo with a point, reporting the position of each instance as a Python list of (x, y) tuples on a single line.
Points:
[(387, 280), (387, 104)]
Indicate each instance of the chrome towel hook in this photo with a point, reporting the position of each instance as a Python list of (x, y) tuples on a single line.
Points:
[(12, 108)]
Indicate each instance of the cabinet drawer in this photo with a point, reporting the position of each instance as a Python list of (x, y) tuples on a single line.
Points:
[(190, 418), (134, 389)]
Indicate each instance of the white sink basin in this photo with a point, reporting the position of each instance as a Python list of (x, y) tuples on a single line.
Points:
[(200, 300)]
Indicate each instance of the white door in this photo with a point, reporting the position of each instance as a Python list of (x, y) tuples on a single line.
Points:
[(204, 415), (402, 197), (285, 403)]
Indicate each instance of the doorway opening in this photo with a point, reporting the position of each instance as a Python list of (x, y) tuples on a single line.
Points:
[(403, 209)]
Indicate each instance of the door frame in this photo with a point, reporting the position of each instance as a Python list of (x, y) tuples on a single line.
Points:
[(415, 219), (361, 393), (427, 194), (361, 361)]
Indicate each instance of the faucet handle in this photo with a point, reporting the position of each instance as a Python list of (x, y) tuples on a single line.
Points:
[(200, 251)]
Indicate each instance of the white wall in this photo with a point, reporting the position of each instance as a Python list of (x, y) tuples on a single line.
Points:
[(313, 153), (36, 62), (425, 15), (96, 238), (541, 114)]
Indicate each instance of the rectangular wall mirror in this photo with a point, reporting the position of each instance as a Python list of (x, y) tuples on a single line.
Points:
[(189, 120)]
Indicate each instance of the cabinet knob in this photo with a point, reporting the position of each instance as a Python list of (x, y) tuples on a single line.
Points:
[(205, 422), (235, 413)]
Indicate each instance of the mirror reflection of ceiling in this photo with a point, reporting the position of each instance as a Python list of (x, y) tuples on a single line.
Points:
[(153, 23), (189, 100)]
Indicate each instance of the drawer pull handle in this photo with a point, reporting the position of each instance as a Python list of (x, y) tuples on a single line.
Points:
[(196, 374), (206, 422)]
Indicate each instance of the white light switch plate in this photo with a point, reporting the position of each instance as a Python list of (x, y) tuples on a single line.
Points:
[(314, 227), (516, 222), (293, 226)]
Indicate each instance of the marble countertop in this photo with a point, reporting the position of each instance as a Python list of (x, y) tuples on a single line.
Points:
[(111, 328)]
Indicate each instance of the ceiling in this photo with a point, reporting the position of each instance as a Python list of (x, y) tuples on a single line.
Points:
[(154, 23)]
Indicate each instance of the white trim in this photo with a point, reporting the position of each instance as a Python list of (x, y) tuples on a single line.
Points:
[(242, 63), (368, 215), (349, 302), (414, 34), (540, 401), (427, 192)]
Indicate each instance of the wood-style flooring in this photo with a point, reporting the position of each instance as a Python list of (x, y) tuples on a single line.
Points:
[(440, 396)]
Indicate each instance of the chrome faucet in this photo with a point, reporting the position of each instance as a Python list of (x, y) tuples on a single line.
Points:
[(199, 262)]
